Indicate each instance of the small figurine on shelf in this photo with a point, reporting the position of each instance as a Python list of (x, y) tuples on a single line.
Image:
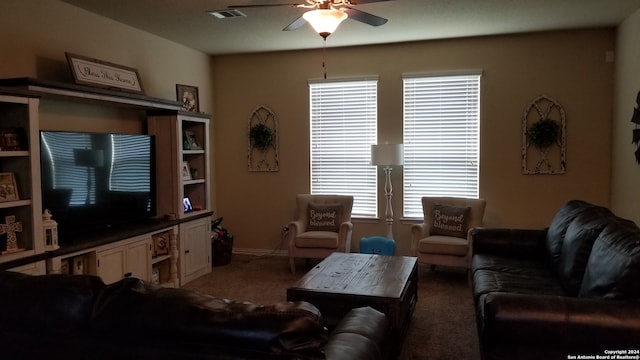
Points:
[(50, 231)]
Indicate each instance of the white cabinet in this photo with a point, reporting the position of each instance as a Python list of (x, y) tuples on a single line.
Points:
[(20, 204), (129, 258), (195, 249)]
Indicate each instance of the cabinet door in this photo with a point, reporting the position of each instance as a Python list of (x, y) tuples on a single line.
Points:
[(195, 249), (112, 264), (138, 260)]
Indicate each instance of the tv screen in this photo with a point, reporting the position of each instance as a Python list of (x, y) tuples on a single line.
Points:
[(94, 182)]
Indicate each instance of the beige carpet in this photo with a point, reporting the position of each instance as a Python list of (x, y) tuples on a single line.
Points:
[(442, 327)]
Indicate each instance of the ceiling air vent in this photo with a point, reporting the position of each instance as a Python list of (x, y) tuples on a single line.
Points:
[(225, 14)]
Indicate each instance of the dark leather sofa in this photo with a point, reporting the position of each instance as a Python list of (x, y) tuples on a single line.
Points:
[(572, 289), (79, 317)]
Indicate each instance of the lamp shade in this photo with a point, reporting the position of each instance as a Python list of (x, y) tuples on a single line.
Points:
[(387, 154), (324, 21)]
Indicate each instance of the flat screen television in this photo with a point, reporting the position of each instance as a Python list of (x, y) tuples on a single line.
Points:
[(95, 182)]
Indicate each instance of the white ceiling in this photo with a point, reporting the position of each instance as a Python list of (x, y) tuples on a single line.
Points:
[(187, 21)]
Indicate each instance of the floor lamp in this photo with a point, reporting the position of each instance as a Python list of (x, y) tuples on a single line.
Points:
[(388, 155)]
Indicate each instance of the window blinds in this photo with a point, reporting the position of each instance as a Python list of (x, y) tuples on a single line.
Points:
[(441, 138), (343, 128)]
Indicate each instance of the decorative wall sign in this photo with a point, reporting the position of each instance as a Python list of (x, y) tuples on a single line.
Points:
[(543, 137), (102, 74), (263, 140)]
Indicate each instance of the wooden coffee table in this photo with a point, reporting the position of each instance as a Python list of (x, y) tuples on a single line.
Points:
[(344, 281)]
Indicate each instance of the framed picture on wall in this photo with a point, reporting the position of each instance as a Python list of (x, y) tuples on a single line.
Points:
[(188, 96)]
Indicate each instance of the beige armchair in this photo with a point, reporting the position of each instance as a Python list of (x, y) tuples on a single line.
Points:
[(445, 236), (323, 226)]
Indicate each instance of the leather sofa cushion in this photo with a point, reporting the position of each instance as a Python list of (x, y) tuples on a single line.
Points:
[(558, 227), (45, 304), (613, 268), (580, 235), (134, 309), (515, 275)]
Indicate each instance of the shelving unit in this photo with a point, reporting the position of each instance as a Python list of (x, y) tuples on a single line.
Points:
[(21, 112), (176, 134), (189, 234), (182, 149)]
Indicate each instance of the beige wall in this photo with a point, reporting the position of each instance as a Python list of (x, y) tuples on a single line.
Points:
[(625, 178), (568, 66), (37, 33)]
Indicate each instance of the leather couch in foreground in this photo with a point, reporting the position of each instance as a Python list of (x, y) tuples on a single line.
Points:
[(569, 290), (79, 317)]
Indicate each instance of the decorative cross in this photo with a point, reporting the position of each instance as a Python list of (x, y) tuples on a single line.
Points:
[(10, 228)]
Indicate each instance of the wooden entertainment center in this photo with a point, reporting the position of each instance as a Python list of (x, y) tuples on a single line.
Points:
[(171, 250)]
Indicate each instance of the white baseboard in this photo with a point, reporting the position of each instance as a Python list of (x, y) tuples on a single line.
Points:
[(260, 252)]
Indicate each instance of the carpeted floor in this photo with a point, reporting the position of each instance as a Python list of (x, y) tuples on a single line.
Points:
[(442, 327)]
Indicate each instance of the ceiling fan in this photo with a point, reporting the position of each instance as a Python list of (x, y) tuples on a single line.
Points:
[(326, 15)]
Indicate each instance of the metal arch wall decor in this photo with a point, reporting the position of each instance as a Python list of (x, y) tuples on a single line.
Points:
[(263, 140), (543, 137)]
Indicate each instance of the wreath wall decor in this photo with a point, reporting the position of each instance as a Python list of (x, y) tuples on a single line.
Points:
[(262, 144), (543, 137)]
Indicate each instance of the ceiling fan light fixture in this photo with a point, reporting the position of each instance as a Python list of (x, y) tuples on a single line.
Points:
[(325, 21)]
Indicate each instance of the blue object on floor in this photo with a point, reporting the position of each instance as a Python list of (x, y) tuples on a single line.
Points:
[(378, 245)]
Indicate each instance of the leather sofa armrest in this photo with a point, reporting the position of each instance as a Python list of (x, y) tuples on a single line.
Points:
[(575, 324), (507, 242), (361, 334)]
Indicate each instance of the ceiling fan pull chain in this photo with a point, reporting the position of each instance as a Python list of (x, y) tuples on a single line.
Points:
[(324, 65)]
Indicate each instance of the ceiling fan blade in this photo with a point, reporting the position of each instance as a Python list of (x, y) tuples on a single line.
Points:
[(365, 17), (296, 24)]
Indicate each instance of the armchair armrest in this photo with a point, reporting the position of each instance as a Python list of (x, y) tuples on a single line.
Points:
[(418, 232), (508, 242), (344, 236), (576, 324)]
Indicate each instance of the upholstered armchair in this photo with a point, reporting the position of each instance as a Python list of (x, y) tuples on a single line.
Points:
[(323, 226), (445, 236)]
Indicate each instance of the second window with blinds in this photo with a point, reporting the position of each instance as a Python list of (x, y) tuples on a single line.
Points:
[(441, 138)]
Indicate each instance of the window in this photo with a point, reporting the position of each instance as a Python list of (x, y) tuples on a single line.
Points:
[(441, 138), (343, 128)]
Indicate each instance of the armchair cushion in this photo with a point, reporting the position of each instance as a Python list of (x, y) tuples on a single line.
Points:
[(450, 220), (324, 217)]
